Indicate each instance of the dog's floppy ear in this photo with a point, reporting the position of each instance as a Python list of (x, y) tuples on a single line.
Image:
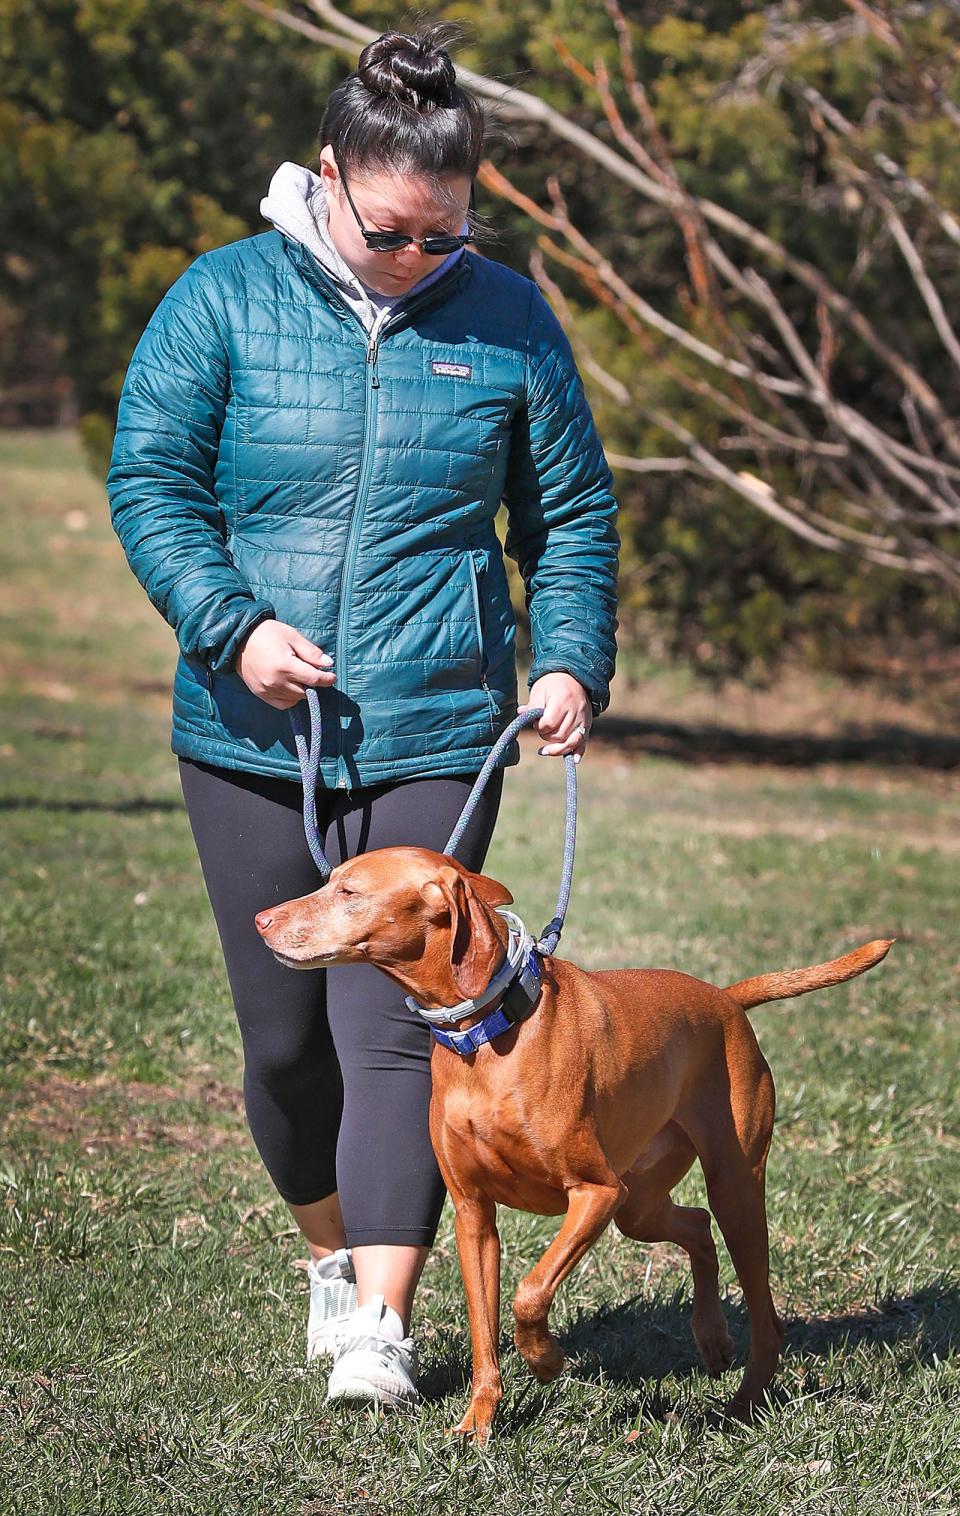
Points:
[(490, 890), (475, 948)]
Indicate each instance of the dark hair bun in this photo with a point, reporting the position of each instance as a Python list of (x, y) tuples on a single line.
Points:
[(416, 70)]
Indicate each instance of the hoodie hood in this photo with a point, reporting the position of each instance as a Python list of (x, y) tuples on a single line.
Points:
[(296, 204)]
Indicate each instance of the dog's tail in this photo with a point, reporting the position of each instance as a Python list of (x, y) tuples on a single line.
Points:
[(787, 982)]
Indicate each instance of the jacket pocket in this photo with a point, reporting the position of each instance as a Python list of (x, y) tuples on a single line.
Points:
[(482, 661)]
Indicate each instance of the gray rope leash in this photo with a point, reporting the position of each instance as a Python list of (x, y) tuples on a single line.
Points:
[(308, 754), (550, 936)]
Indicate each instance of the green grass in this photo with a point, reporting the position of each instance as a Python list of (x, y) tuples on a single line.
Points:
[(152, 1310)]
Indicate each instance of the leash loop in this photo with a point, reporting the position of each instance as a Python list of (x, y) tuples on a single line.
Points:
[(308, 754)]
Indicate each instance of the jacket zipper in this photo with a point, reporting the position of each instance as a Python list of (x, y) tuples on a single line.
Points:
[(356, 521), (374, 337)]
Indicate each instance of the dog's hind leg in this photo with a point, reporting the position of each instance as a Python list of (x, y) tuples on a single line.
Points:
[(590, 1206), (649, 1215), (732, 1136)]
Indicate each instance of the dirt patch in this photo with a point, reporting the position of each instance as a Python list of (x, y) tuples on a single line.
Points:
[(102, 1112)]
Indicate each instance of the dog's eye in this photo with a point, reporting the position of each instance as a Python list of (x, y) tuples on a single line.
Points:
[(345, 889)]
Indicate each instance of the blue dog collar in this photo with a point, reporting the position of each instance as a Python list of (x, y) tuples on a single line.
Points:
[(520, 999), (518, 979)]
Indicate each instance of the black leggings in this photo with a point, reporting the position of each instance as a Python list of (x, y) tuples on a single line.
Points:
[(336, 1079)]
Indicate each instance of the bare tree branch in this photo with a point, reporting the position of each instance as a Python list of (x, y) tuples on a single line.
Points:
[(304, 28), (892, 170), (811, 525), (906, 245)]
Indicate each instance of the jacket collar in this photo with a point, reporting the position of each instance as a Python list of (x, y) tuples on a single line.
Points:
[(316, 274)]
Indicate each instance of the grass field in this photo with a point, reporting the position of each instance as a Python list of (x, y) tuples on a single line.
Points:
[(152, 1299)]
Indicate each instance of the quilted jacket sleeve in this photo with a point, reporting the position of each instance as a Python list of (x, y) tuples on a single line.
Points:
[(160, 483), (561, 516)]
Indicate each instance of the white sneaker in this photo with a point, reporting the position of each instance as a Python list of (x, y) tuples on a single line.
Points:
[(373, 1361), (333, 1299)]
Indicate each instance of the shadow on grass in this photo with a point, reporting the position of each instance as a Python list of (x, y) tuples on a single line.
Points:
[(643, 1339), (710, 743), (929, 1319), (531, 1401), (639, 1342)]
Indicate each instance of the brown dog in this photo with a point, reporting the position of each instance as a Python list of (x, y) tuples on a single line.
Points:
[(593, 1107)]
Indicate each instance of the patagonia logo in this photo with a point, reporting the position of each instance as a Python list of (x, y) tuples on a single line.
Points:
[(452, 370)]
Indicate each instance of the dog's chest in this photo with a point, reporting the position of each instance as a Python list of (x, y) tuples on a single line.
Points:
[(498, 1147)]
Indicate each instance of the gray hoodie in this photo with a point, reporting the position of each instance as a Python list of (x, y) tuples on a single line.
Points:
[(296, 203)]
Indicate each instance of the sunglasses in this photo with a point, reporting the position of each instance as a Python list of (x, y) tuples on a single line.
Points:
[(392, 242)]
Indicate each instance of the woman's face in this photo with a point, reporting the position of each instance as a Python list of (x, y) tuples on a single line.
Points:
[(391, 203)]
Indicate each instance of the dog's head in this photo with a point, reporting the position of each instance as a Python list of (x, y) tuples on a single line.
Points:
[(419, 915)]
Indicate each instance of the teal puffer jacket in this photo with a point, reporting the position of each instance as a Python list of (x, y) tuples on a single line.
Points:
[(272, 459)]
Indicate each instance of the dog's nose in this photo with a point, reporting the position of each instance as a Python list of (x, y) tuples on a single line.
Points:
[(262, 920)]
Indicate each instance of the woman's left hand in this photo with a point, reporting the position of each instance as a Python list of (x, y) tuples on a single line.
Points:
[(567, 714)]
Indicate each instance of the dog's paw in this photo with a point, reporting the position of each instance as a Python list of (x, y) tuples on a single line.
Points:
[(715, 1349), (544, 1362), (477, 1425), (739, 1409)]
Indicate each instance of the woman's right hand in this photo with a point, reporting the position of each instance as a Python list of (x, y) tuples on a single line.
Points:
[(279, 664)]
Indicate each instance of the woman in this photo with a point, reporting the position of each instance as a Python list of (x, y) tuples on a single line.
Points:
[(315, 434)]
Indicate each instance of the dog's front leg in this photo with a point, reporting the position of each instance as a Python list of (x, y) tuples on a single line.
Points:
[(589, 1209), (478, 1247)]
